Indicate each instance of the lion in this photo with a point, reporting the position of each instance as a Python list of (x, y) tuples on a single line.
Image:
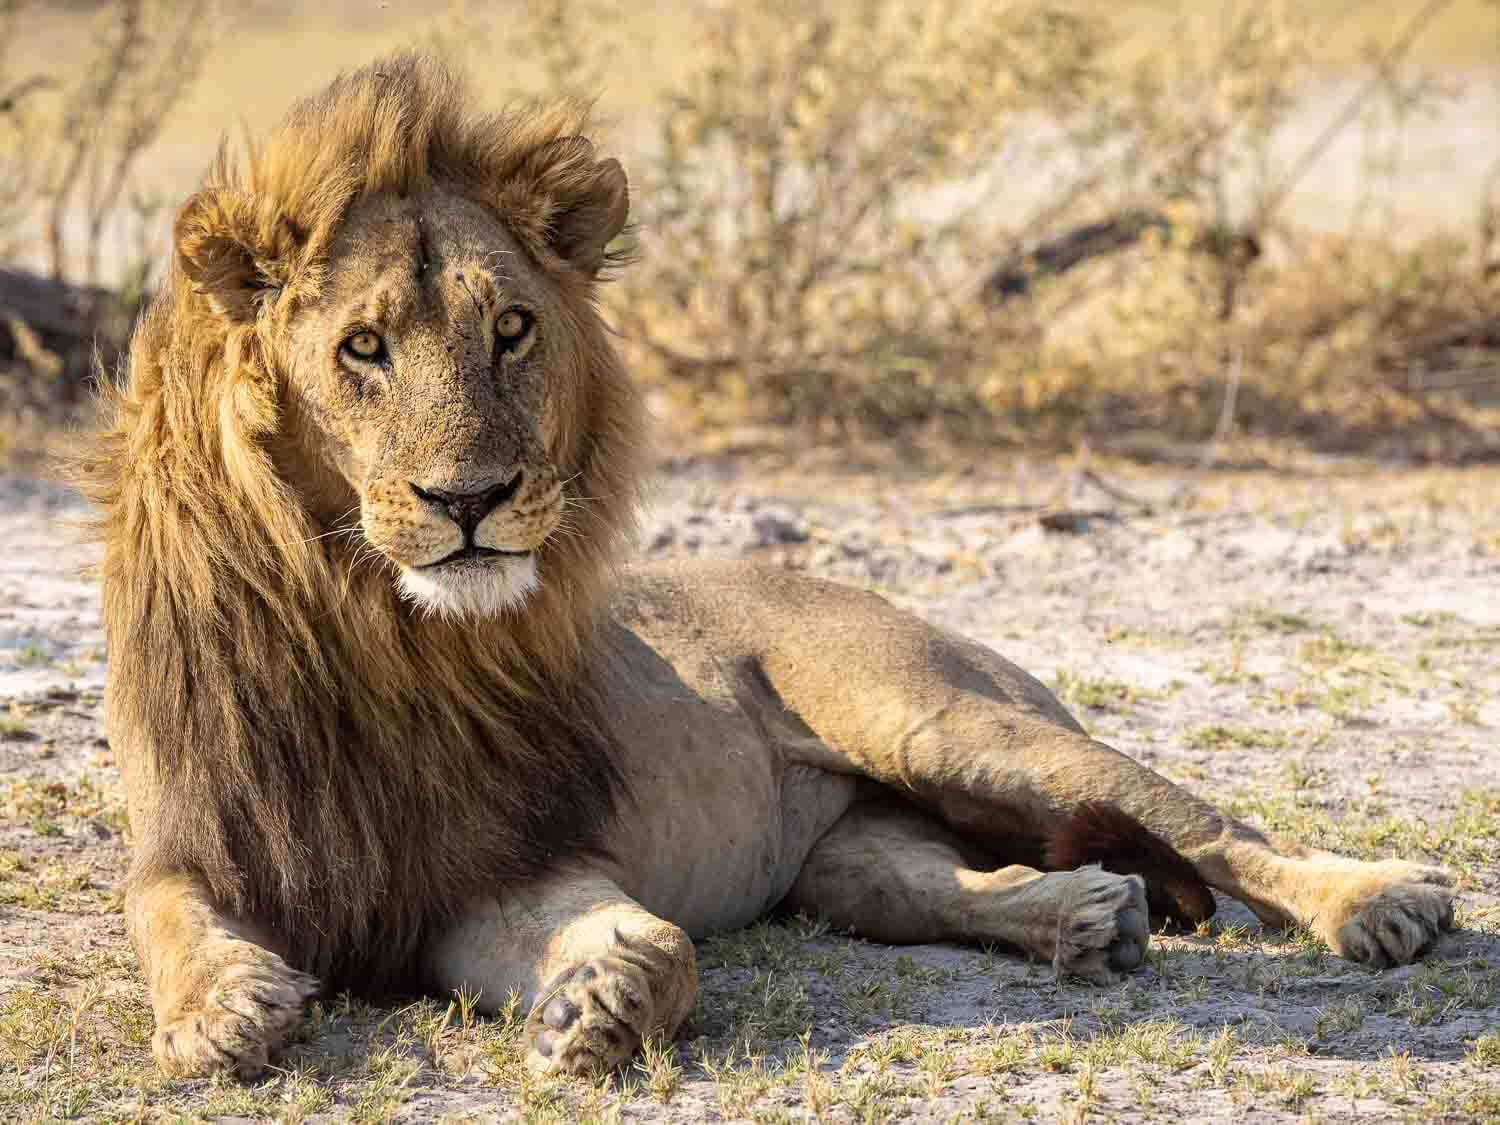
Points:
[(393, 715)]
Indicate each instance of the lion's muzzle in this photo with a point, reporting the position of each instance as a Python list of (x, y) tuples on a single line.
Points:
[(464, 544), (469, 509)]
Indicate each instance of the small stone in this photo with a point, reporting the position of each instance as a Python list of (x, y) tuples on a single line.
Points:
[(771, 528)]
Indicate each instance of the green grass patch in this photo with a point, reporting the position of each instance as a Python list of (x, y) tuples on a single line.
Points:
[(1281, 621), (1096, 694), (1221, 737)]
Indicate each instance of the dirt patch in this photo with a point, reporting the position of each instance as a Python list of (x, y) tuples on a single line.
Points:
[(1315, 650)]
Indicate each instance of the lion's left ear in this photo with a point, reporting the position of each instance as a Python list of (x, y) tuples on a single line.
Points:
[(584, 227), (571, 202)]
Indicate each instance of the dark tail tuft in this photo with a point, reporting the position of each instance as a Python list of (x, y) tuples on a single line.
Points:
[(1096, 832)]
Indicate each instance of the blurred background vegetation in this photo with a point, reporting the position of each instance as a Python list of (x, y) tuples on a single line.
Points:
[(1162, 228)]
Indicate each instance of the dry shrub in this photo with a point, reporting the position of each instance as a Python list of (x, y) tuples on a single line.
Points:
[(861, 218), (68, 153), (989, 220), (1350, 345), (827, 193), (75, 143)]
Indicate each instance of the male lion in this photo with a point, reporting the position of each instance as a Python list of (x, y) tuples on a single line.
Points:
[(389, 719)]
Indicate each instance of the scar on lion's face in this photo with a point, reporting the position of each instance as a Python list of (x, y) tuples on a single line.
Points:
[(434, 366)]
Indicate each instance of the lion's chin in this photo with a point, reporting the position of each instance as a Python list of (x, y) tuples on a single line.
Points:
[(468, 590)]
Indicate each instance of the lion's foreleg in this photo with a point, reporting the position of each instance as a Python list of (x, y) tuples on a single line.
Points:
[(595, 973), (223, 1001)]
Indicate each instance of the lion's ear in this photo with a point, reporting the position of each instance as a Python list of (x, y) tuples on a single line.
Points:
[(233, 251), (574, 203), (584, 227)]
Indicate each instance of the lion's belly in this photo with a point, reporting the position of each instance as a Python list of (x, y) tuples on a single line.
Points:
[(719, 821), (717, 865)]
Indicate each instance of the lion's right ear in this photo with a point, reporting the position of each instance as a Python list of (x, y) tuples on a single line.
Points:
[(234, 249), (564, 199)]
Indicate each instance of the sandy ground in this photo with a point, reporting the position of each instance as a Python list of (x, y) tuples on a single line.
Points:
[(1317, 650)]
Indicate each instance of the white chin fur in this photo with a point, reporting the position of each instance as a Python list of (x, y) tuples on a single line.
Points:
[(470, 592)]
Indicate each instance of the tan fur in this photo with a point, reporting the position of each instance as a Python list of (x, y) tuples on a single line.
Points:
[(387, 718)]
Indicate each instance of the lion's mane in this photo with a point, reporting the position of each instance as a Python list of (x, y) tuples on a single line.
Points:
[(325, 760)]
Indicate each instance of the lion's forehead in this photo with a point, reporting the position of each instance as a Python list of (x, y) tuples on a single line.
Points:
[(403, 245)]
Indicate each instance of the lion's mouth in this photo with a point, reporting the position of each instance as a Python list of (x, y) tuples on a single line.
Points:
[(472, 582), (472, 552)]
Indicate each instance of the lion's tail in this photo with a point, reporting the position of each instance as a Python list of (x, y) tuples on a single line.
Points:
[(1096, 832)]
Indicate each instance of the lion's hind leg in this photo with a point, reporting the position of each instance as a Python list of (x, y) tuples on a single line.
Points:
[(893, 874), (992, 754)]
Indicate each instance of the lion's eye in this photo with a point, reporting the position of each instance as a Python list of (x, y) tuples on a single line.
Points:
[(511, 328), (366, 346)]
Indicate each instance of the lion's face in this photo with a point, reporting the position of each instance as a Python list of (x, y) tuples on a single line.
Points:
[(433, 369), (402, 295)]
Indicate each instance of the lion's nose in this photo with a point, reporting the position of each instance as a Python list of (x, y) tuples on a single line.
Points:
[(468, 509)]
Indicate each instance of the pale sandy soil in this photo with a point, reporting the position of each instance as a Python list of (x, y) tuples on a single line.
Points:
[(1316, 649)]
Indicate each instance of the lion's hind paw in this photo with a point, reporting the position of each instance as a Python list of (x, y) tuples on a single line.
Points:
[(1399, 922), (1103, 927)]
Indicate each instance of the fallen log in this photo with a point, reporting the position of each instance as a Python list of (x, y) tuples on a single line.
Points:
[(53, 328), (1055, 256)]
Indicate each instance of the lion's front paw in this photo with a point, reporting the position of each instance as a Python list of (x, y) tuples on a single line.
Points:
[(246, 1005), (593, 1019), (1394, 917), (1103, 926)]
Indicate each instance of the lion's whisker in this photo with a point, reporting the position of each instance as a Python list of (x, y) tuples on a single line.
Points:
[(324, 535), (335, 530)]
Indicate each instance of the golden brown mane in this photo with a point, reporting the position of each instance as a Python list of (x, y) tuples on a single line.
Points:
[(328, 761)]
